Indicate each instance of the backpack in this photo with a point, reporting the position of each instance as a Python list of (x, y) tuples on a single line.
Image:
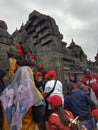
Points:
[(74, 122), (39, 111)]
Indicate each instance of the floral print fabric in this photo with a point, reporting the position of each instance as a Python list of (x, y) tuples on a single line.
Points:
[(19, 96)]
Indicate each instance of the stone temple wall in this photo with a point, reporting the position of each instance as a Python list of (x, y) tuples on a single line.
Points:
[(42, 37), (4, 41)]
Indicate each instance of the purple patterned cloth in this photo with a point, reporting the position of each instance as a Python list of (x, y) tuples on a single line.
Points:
[(19, 96)]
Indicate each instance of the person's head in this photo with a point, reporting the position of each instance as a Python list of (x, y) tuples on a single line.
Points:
[(55, 101), (29, 63), (40, 66), (56, 104), (52, 74), (73, 77), (3, 74), (19, 61), (46, 77), (9, 54), (38, 76), (87, 72), (19, 52), (70, 87), (32, 58)]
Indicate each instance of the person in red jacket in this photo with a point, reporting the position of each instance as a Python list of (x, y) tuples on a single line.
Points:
[(20, 49), (91, 80), (60, 119)]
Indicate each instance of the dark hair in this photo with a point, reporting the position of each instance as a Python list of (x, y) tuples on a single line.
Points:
[(2, 73), (19, 60), (9, 54), (27, 63), (62, 115), (70, 86), (75, 77)]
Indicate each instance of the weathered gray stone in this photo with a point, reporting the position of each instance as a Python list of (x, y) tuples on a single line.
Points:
[(3, 50), (3, 25), (41, 35), (4, 41), (96, 58)]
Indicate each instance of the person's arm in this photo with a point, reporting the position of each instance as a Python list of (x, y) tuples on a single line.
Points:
[(47, 89), (89, 102), (44, 94)]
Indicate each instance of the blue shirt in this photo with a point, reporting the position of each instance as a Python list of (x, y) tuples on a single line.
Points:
[(79, 103)]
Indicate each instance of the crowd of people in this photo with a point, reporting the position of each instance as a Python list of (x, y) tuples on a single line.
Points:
[(68, 106)]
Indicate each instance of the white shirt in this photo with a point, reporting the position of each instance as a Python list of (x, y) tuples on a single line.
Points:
[(58, 90)]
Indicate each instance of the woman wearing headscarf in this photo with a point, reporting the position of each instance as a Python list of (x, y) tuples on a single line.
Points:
[(2, 86), (18, 99)]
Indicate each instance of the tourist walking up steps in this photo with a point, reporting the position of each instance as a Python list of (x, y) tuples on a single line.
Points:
[(52, 87), (17, 101), (91, 80), (74, 79), (80, 104), (60, 119)]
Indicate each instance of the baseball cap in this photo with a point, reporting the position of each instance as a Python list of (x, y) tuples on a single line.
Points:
[(87, 71), (32, 57), (55, 100), (38, 74), (52, 73), (46, 76), (19, 51), (40, 67)]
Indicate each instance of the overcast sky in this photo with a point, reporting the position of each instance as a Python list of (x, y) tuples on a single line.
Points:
[(76, 19)]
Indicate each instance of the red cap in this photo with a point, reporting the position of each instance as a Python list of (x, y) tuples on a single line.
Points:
[(38, 74), (32, 57), (55, 100), (19, 51), (46, 76), (95, 113), (40, 67), (52, 73)]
